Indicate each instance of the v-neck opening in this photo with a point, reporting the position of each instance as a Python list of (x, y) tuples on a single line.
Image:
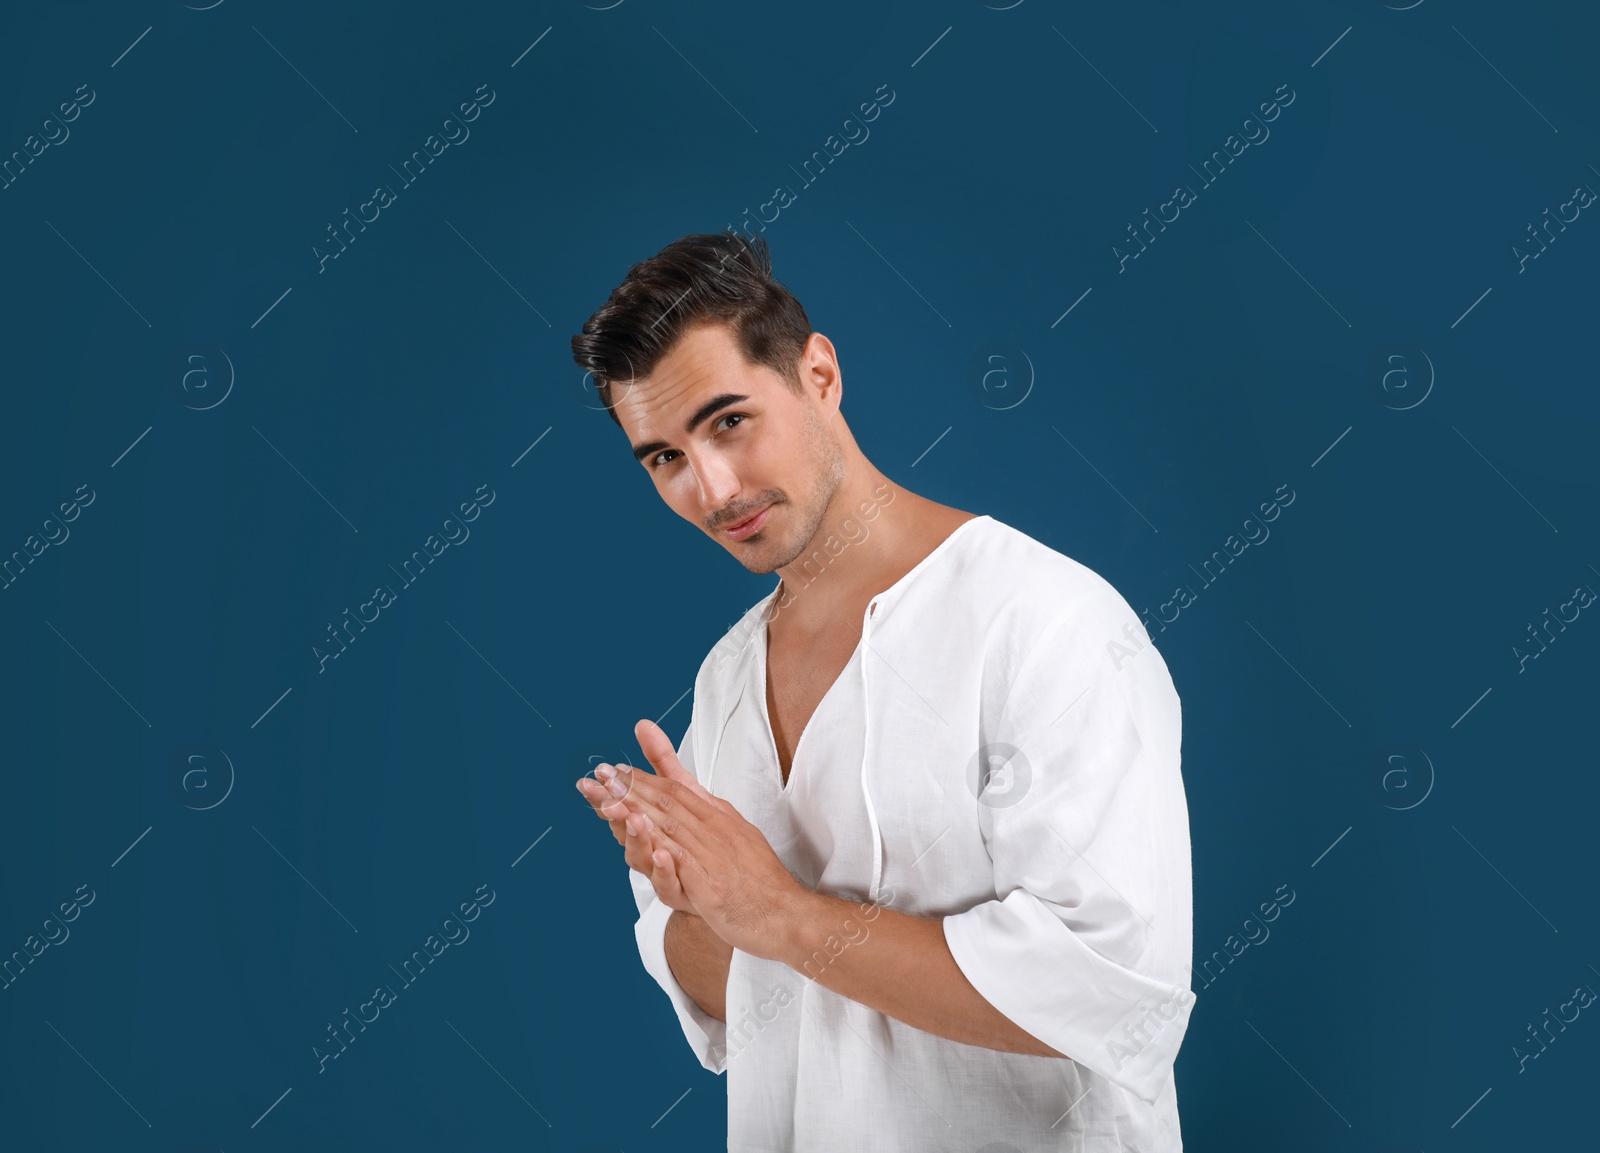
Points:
[(786, 786)]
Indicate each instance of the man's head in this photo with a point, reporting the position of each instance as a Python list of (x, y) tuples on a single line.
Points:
[(730, 401)]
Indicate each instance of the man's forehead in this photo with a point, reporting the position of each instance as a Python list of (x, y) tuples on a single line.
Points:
[(702, 363), (675, 382)]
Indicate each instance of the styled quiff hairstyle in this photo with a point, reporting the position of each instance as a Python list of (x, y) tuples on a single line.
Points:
[(724, 278)]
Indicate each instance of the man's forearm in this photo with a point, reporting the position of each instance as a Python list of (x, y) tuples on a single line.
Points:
[(901, 966), (699, 961)]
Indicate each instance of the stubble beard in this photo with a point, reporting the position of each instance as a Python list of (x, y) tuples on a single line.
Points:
[(829, 476)]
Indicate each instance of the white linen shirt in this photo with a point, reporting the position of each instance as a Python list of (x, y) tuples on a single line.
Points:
[(1001, 751)]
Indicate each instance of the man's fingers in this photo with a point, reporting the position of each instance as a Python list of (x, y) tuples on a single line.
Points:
[(672, 862), (682, 824), (664, 876), (660, 794), (659, 751), (636, 850), (663, 757), (596, 794), (600, 798)]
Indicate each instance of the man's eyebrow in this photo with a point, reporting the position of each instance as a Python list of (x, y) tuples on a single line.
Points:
[(710, 408)]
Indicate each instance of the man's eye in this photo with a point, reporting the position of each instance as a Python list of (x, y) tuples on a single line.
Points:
[(658, 461)]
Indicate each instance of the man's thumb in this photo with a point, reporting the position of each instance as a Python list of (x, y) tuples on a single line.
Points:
[(659, 751)]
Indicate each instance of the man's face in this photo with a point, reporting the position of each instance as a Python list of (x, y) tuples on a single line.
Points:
[(755, 447)]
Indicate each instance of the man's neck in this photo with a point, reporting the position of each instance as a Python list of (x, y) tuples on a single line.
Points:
[(852, 558)]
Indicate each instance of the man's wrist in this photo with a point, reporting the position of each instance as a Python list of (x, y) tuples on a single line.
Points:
[(807, 923)]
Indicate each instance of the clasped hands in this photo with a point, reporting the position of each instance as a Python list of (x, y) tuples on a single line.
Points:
[(700, 854)]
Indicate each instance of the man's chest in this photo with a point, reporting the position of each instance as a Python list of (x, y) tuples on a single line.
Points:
[(801, 670), (852, 753)]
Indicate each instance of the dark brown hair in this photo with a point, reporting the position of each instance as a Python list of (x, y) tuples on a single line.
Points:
[(724, 278)]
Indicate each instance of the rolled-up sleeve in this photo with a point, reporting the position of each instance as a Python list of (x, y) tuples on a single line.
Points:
[(706, 1035), (1087, 942)]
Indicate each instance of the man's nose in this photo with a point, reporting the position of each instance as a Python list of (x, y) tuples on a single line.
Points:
[(717, 481)]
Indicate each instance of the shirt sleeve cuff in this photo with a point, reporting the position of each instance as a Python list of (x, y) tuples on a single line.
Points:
[(1110, 1019), (706, 1035)]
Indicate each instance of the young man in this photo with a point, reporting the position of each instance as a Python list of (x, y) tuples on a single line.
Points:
[(918, 876)]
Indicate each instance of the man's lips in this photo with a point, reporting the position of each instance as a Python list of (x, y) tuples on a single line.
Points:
[(748, 525)]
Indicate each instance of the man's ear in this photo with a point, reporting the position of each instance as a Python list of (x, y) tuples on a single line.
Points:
[(819, 370)]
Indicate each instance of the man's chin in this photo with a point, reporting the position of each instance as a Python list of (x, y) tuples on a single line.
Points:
[(756, 556)]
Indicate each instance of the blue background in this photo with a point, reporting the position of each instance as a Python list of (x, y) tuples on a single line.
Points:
[(263, 438)]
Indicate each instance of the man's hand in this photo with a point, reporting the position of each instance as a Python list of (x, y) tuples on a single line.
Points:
[(702, 856), (638, 845), (698, 958)]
